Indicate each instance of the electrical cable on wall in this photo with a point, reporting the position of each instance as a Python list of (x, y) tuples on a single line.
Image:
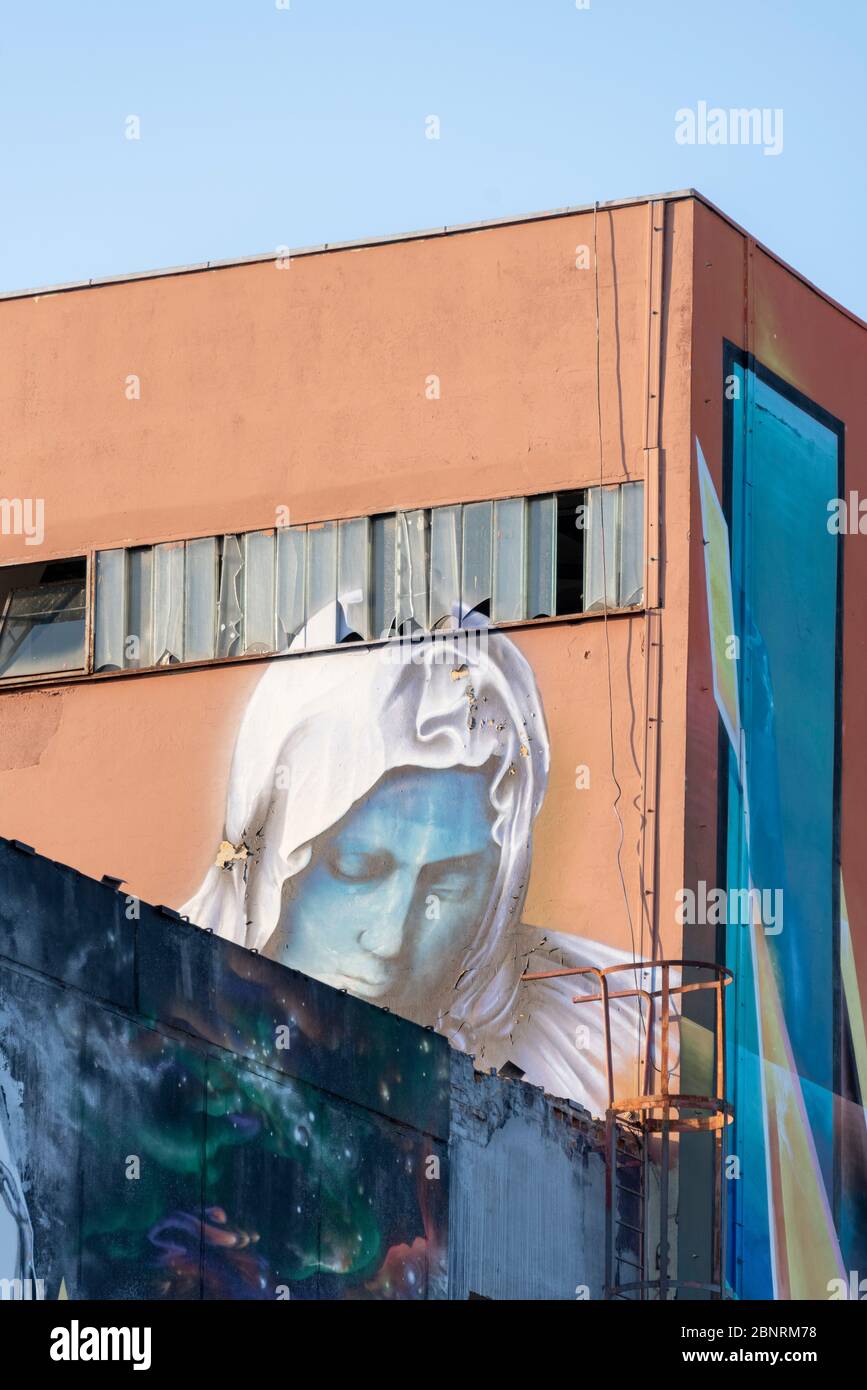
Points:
[(615, 805)]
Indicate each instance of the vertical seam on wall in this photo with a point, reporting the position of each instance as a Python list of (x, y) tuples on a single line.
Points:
[(648, 915)]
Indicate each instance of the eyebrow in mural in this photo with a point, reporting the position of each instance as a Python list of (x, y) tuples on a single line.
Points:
[(378, 837)]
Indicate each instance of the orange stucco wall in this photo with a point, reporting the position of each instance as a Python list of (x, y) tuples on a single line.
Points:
[(305, 387)]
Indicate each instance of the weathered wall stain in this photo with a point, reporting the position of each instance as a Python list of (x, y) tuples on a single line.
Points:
[(37, 718)]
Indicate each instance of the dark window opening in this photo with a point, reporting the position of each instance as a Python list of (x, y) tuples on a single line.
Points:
[(571, 524), (43, 615)]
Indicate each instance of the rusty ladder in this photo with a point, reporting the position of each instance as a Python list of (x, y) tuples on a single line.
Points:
[(658, 1113)]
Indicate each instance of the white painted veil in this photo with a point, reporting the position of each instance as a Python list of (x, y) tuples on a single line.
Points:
[(319, 733)]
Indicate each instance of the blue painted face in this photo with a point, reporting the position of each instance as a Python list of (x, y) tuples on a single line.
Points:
[(395, 891)]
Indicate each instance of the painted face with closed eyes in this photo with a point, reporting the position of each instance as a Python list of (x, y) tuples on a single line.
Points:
[(395, 891)]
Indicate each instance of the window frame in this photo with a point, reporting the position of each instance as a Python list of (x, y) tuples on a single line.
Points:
[(72, 672), (89, 555)]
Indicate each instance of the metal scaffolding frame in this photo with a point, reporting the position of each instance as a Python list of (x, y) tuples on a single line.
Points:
[(661, 1112)]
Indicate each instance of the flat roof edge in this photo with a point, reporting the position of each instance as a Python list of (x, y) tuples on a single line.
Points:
[(453, 229), (785, 265), (424, 234)]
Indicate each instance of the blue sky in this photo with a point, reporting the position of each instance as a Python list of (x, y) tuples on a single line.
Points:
[(264, 126)]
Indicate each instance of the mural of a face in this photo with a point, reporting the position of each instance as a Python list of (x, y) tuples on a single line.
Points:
[(378, 836), (394, 892)]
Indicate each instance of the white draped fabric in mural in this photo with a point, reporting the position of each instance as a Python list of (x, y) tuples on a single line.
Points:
[(318, 735)]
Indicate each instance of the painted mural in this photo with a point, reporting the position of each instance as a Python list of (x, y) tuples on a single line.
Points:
[(378, 837), (216, 1127), (797, 1209), (157, 1140), (16, 1230)]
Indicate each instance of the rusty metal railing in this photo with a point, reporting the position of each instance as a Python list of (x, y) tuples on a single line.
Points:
[(660, 1112)]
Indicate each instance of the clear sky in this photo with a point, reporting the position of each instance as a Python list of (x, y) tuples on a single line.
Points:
[(267, 123)]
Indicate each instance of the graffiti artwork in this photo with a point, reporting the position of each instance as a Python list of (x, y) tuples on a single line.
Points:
[(799, 1139), (216, 1127), (16, 1233), (378, 837), (378, 842)]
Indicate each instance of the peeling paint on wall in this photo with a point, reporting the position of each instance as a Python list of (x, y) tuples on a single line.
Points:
[(37, 720)]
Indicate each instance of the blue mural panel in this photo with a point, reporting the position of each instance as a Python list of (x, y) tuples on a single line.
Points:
[(783, 467)]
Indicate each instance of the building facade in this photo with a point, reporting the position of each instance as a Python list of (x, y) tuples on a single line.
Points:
[(420, 612)]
